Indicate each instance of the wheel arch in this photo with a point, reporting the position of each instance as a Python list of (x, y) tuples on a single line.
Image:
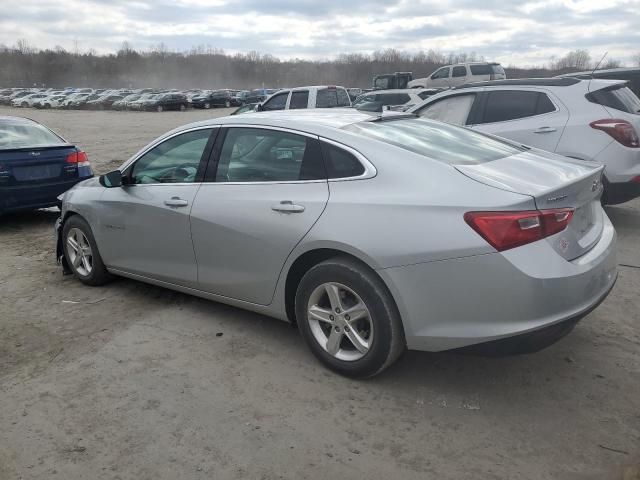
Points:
[(313, 256)]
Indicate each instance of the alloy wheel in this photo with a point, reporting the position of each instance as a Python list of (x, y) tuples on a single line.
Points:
[(79, 250), (340, 321)]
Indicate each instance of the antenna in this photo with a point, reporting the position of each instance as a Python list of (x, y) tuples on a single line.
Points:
[(594, 71)]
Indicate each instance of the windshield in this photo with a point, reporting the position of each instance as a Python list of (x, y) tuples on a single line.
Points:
[(439, 141), (26, 134)]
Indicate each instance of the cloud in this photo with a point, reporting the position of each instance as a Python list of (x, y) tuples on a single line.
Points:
[(520, 32)]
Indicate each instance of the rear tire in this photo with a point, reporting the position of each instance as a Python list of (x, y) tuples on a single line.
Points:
[(81, 252), (356, 331)]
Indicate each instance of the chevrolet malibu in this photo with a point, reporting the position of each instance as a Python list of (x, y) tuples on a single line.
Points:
[(373, 233)]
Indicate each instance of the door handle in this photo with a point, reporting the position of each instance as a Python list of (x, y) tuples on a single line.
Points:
[(545, 130), (176, 202), (287, 206)]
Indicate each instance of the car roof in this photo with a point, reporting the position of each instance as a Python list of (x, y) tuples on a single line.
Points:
[(603, 71), (310, 120), (531, 82), (403, 90)]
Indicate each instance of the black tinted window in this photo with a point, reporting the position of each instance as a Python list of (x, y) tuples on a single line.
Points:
[(260, 155), (327, 97), (618, 98), (394, 98), (277, 102), (459, 72), (340, 163), (299, 99), (513, 104), (343, 98), (481, 69)]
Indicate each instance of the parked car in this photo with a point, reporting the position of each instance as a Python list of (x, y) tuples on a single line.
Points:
[(241, 97), (354, 93), (216, 98), (397, 99), (460, 74), (80, 101), (104, 102), (259, 95), (254, 211), (246, 108), (52, 101), (629, 75), (36, 165), (124, 103), (27, 100), (165, 101), (322, 96), (9, 98), (597, 121)]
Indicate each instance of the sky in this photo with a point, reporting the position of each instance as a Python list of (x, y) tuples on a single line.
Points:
[(522, 33)]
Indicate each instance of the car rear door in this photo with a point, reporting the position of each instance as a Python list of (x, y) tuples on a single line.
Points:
[(143, 226), (531, 117), (262, 194)]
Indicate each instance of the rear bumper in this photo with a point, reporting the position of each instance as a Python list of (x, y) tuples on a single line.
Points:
[(467, 301), (34, 196)]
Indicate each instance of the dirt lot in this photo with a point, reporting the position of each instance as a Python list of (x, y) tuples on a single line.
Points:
[(131, 381)]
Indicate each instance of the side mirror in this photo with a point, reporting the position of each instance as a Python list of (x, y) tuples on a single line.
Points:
[(111, 179), (259, 108)]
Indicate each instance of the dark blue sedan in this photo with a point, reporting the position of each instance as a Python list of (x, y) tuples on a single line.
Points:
[(36, 165)]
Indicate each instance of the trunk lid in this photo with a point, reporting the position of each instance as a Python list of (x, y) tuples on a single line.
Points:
[(554, 182), (34, 166)]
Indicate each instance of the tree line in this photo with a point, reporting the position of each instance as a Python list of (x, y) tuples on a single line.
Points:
[(209, 67)]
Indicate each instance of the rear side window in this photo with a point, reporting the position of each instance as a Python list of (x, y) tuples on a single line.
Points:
[(618, 97), (507, 105), (343, 98), (446, 143), (483, 69), (454, 109), (459, 72), (299, 99), (327, 98), (340, 163), (23, 134), (394, 98)]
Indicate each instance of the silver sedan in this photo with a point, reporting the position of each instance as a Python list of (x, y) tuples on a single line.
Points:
[(373, 233)]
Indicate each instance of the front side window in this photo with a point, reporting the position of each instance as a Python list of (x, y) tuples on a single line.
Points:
[(445, 143), (262, 155), (277, 102), (507, 105), (175, 160), (299, 99), (454, 109), (442, 73), (459, 72)]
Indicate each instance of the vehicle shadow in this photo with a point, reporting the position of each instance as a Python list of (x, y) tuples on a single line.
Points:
[(28, 219)]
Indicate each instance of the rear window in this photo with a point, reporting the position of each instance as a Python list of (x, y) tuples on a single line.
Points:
[(481, 69), (25, 135), (445, 143), (618, 97), (328, 97)]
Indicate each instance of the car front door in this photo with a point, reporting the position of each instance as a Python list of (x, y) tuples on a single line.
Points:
[(144, 225), (458, 75), (526, 116), (259, 199), (440, 78)]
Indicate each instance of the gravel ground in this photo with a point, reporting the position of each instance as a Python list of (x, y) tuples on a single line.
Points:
[(130, 381)]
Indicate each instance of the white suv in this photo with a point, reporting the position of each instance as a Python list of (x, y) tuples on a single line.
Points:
[(460, 74), (400, 98), (323, 96), (595, 120)]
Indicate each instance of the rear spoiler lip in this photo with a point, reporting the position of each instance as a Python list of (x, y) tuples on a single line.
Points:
[(37, 148)]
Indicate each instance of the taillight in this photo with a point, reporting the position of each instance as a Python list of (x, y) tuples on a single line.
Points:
[(634, 179), (621, 130), (79, 158), (505, 230)]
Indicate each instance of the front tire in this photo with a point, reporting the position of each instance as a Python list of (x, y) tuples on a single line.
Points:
[(159, 109), (348, 318), (183, 107), (81, 252), (227, 104)]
